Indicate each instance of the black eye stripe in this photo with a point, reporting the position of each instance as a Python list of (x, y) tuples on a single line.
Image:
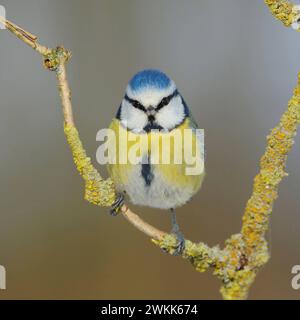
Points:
[(135, 103), (165, 101)]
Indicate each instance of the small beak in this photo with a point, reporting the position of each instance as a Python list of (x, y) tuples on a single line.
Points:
[(151, 111)]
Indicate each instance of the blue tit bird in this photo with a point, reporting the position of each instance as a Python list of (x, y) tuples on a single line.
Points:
[(153, 108)]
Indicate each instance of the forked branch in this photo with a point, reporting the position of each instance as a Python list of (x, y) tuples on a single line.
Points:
[(244, 253)]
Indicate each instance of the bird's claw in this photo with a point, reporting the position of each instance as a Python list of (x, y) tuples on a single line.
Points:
[(180, 244), (116, 206)]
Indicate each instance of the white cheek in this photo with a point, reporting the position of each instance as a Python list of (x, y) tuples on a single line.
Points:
[(132, 118), (171, 115)]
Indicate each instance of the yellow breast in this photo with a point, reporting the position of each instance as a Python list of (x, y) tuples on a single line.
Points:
[(168, 153)]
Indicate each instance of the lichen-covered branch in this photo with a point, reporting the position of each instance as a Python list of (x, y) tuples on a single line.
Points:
[(244, 253), (285, 11), (97, 191), (252, 245)]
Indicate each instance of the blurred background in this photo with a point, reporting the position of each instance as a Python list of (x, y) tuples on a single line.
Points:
[(236, 67)]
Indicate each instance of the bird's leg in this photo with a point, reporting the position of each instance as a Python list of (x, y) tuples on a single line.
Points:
[(116, 206), (179, 236)]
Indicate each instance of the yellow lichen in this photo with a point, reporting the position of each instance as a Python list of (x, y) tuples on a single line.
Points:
[(97, 190), (52, 59), (282, 10)]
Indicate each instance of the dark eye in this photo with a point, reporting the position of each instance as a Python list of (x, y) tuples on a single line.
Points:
[(165, 101), (137, 105)]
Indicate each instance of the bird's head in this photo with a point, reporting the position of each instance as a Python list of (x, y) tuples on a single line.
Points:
[(152, 101)]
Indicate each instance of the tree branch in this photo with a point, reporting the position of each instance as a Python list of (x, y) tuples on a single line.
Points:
[(286, 12), (239, 261)]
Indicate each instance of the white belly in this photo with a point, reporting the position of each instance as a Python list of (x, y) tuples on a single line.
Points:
[(158, 194)]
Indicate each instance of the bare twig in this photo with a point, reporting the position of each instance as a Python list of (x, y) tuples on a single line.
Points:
[(244, 253)]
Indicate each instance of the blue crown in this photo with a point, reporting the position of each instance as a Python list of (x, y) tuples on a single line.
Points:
[(149, 78)]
